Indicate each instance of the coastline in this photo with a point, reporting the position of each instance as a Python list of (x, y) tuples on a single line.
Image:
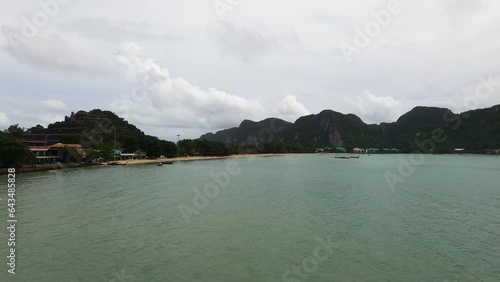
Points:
[(181, 159), (189, 159), (136, 162)]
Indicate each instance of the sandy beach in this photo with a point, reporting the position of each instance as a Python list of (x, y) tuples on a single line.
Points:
[(188, 159), (146, 161)]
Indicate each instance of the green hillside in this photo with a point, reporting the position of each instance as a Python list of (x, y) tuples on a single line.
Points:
[(476, 131)]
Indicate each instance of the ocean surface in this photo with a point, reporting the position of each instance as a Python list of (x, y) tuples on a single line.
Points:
[(289, 218)]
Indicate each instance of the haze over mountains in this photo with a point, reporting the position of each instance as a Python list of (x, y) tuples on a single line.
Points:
[(474, 130)]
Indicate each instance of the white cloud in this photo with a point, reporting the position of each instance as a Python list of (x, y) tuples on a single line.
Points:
[(27, 117), (290, 109), (250, 43), (111, 31), (265, 50), (46, 119), (376, 109), (4, 121), (55, 53), (241, 42), (483, 94), (54, 105), (157, 99)]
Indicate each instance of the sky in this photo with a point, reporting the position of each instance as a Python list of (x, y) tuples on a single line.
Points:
[(195, 66)]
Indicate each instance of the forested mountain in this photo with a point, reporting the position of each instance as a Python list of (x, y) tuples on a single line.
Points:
[(475, 130), (97, 129), (99, 133), (423, 129)]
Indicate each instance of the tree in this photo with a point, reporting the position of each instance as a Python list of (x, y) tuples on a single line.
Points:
[(70, 155), (15, 130), (14, 153), (104, 151), (36, 129)]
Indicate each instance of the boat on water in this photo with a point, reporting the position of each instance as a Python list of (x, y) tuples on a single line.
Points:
[(116, 163), (342, 157), (354, 157), (165, 162)]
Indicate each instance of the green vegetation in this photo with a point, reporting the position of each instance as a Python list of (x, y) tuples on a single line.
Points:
[(476, 131), (13, 153), (202, 148), (97, 130)]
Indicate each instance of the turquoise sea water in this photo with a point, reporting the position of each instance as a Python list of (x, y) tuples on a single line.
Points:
[(269, 223)]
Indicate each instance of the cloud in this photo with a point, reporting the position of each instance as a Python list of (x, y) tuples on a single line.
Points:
[(262, 52), (157, 99), (375, 109), (483, 94), (55, 53), (4, 121), (115, 32), (28, 117), (290, 109), (244, 43), (54, 105)]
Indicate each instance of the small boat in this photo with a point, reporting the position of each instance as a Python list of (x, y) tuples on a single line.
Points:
[(354, 157), (160, 163), (341, 157), (116, 163)]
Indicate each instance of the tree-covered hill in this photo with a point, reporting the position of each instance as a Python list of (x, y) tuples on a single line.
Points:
[(475, 130), (96, 129), (99, 132)]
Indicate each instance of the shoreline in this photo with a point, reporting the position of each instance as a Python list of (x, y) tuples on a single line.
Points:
[(190, 159), (182, 159), (134, 162)]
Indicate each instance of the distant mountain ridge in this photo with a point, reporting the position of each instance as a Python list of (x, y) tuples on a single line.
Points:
[(476, 129)]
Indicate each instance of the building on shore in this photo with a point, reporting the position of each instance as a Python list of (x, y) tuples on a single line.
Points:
[(42, 155), (53, 153), (358, 151), (57, 149), (372, 150), (341, 149), (492, 151), (137, 155)]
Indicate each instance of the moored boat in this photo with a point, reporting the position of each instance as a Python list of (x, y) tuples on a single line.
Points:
[(116, 163)]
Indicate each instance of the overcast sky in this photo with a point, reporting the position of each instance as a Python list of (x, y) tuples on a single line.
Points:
[(193, 66)]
